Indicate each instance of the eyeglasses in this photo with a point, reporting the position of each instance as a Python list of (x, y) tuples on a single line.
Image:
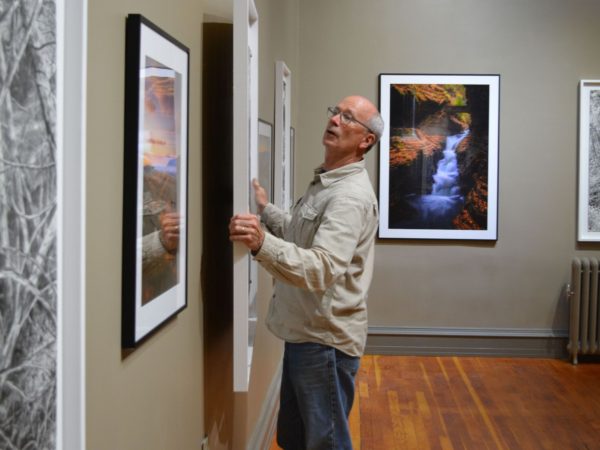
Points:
[(345, 117)]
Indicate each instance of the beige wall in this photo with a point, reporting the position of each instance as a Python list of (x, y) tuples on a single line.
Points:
[(279, 28), (153, 398), (541, 49)]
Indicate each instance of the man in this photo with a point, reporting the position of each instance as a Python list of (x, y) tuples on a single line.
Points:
[(322, 259)]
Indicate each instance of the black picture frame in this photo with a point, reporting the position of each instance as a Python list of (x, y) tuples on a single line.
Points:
[(439, 156), (155, 179)]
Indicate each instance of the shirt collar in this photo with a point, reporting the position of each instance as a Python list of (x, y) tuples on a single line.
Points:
[(329, 177)]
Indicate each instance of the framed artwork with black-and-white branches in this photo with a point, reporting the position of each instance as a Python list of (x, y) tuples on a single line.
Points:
[(588, 224)]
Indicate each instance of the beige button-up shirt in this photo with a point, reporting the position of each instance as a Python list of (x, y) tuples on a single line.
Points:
[(322, 259)]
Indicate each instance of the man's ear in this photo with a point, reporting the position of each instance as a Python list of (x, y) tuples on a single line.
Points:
[(367, 142)]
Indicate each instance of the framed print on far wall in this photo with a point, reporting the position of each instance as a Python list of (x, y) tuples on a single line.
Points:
[(438, 158), (292, 164), (283, 120), (265, 157), (155, 179), (588, 223)]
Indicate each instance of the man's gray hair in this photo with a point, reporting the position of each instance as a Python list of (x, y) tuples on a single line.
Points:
[(376, 125)]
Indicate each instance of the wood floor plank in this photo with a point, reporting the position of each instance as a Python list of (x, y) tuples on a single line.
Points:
[(445, 443), (487, 403), (354, 423), (481, 409), (475, 403)]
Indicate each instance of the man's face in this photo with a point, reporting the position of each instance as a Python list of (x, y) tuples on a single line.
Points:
[(345, 138)]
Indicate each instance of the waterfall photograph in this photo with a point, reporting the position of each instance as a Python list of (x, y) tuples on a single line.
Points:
[(438, 156)]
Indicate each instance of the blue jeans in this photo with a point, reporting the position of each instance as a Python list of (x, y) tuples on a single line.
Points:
[(317, 392)]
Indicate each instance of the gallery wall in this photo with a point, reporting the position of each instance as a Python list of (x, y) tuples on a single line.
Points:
[(151, 398), (541, 49)]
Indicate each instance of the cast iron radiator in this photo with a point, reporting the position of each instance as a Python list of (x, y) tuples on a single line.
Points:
[(584, 333)]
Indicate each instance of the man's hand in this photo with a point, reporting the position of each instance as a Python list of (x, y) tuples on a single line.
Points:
[(260, 196), (245, 228), (169, 231)]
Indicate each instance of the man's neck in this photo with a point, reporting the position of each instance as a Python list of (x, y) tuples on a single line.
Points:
[(331, 163)]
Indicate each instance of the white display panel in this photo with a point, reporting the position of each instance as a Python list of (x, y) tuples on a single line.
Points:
[(245, 168), (71, 119)]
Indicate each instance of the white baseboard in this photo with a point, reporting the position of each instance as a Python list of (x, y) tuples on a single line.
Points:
[(509, 342), (455, 331)]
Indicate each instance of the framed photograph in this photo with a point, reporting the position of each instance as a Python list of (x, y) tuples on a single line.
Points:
[(292, 164), (438, 158), (265, 157), (283, 120), (588, 223), (155, 179), (245, 168)]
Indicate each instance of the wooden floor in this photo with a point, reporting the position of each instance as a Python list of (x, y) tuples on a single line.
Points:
[(475, 403)]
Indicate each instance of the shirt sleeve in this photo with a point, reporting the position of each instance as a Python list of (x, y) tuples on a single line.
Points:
[(334, 244), (152, 249), (275, 219)]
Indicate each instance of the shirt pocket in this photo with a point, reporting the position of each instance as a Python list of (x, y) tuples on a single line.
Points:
[(308, 224)]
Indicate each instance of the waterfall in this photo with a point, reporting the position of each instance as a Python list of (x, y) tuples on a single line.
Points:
[(445, 180), (438, 209)]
